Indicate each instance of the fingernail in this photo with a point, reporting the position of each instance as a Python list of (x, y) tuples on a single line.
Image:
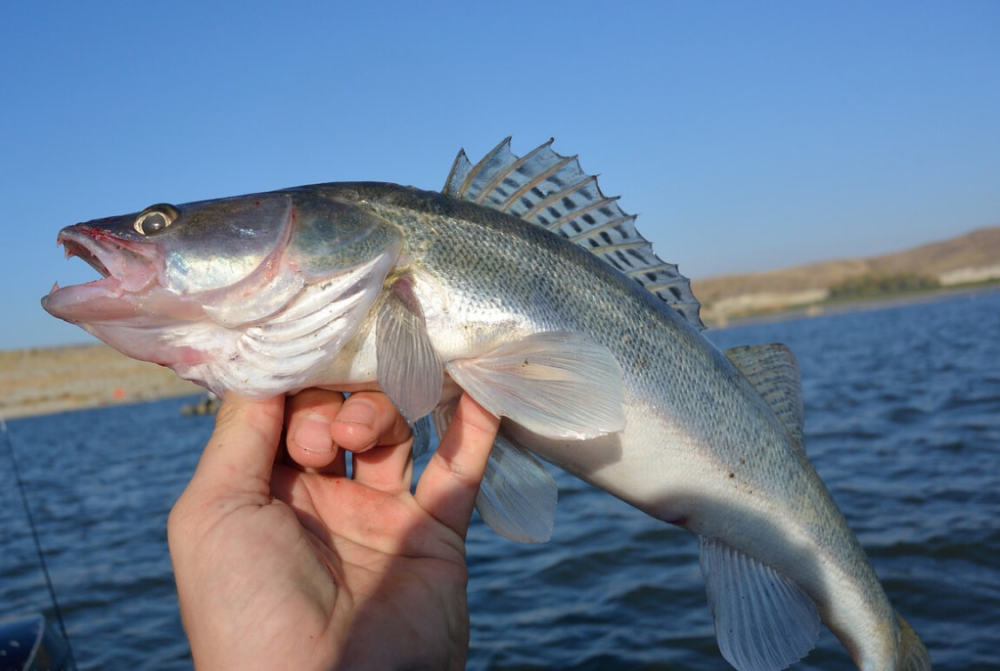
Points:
[(313, 434), (360, 411)]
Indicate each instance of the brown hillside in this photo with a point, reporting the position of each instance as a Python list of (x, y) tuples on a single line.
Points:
[(979, 249)]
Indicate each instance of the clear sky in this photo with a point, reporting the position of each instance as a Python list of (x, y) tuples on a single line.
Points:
[(746, 135)]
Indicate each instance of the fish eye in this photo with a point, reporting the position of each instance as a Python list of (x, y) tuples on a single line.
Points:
[(155, 218)]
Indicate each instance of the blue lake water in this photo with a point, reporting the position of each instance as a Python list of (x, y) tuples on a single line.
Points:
[(902, 423)]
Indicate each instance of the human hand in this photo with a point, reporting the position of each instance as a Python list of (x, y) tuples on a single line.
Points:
[(277, 567)]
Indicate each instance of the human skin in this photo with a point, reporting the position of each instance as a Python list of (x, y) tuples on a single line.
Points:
[(283, 561)]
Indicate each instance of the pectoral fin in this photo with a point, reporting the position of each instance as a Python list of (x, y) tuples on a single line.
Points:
[(421, 436), (556, 384), (409, 370), (763, 621)]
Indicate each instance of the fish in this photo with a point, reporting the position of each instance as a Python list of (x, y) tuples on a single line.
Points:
[(523, 285)]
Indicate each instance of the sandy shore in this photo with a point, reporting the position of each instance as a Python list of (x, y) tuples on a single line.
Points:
[(859, 306), (46, 380)]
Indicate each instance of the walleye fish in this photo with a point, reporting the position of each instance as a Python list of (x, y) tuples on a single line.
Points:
[(525, 286)]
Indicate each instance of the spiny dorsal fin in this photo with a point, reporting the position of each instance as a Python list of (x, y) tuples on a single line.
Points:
[(553, 192), (774, 373)]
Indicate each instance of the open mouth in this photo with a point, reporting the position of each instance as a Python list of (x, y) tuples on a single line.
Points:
[(75, 248), (125, 267)]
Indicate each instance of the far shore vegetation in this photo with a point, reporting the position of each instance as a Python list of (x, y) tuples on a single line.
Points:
[(881, 286)]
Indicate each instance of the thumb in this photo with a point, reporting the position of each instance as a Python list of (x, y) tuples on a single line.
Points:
[(239, 457)]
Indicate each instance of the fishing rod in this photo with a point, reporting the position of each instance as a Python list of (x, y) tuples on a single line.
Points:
[(38, 545)]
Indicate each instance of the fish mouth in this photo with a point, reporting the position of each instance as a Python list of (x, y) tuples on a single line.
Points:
[(75, 248), (125, 267)]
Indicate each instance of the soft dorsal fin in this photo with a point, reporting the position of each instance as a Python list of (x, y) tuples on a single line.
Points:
[(553, 192), (774, 373)]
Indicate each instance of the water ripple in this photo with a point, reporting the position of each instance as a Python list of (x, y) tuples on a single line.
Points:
[(902, 422)]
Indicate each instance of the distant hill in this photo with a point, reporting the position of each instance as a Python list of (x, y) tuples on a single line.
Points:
[(973, 257)]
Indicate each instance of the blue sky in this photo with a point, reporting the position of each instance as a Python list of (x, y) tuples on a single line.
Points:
[(746, 135)]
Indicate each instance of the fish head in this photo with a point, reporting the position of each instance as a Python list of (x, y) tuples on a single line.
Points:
[(162, 266), (181, 285), (178, 251)]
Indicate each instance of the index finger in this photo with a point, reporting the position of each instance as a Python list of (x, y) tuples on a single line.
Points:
[(239, 457), (449, 484)]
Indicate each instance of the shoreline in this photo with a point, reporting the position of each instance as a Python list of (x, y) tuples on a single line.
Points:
[(44, 381), (866, 305)]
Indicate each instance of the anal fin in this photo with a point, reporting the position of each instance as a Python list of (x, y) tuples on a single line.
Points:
[(763, 621)]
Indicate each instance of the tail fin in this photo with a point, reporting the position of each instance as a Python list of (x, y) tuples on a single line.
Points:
[(913, 655)]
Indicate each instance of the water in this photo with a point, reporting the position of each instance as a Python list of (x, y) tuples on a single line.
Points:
[(902, 422)]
